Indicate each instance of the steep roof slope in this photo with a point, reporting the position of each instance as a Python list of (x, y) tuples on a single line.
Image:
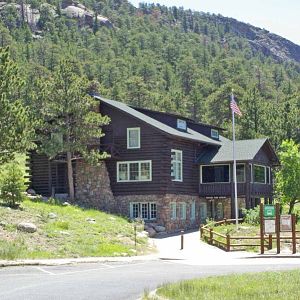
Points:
[(190, 134)]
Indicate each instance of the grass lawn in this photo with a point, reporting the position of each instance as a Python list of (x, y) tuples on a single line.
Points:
[(68, 235), (268, 285)]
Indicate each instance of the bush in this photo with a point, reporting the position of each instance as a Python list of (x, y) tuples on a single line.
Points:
[(12, 185), (251, 216)]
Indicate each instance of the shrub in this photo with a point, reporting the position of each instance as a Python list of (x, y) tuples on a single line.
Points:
[(12, 185), (251, 216)]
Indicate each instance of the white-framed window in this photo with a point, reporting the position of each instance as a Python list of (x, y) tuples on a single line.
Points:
[(240, 173), (215, 173), (203, 212), (193, 210), (176, 165), (181, 124), (182, 210), (259, 174), (214, 133), (133, 138), (143, 210), (134, 171), (173, 210)]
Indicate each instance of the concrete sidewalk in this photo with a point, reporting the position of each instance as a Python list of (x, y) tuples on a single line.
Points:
[(197, 252)]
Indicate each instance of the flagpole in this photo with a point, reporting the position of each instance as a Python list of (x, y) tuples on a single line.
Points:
[(234, 166)]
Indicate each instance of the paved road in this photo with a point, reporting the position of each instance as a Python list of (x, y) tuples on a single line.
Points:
[(109, 280)]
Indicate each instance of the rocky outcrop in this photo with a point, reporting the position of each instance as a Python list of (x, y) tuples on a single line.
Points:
[(260, 39)]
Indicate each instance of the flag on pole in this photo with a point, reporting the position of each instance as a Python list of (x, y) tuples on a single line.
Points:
[(234, 107)]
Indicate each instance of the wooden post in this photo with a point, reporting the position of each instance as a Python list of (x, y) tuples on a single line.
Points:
[(210, 236), (227, 242), (135, 236), (270, 242), (181, 246), (294, 233), (225, 221), (201, 231), (277, 220), (261, 214)]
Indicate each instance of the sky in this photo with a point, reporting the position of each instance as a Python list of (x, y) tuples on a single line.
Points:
[(277, 16)]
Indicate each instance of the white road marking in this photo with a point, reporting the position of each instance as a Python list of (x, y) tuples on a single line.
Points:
[(45, 271)]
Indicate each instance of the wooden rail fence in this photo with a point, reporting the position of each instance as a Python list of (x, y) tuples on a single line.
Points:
[(229, 241)]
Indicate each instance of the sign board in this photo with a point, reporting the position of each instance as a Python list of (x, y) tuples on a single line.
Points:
[(285, 223), (270, 226), (269, 211)]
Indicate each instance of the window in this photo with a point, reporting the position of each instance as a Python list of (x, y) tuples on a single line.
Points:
[(144, 210), (259, 175), (193, 210), (268, 175), (220, 211), (217, 173), (240, 173), (133, 138), (173, 210), (181, 124), (214, 134), (130, 171), (203, 212), (176, 165), (182, 211)]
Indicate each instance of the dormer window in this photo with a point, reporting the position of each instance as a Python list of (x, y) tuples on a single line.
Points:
[(181, 124), (133, 138), (214, 134)]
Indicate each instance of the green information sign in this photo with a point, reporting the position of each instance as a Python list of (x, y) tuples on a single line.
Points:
[(269, 211)]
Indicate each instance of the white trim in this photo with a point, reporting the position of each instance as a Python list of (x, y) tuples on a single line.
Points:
[(139, 206), (139, 135), (213, 132), (175, 151), (139, 162), (213, 165)]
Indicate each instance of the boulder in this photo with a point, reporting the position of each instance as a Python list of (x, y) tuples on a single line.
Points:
[(31, 192), (151, 232), (52, 216), (27, 227), (66, 204), (3, 223), (142, 234), (90, 220), (160, 228)]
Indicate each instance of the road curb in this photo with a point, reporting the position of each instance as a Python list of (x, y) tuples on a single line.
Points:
[(70, 261)]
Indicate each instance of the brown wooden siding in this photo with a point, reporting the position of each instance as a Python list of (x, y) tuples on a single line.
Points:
[(154, 147)]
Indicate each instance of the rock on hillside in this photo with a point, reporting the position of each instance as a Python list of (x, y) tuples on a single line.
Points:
[(260, 39)]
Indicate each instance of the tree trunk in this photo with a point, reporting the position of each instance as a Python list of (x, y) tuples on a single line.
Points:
[(292, 204), (70, 176)]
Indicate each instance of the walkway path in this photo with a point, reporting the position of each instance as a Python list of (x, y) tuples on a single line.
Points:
[(197, 252)]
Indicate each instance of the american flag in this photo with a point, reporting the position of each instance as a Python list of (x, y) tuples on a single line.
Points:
[(234, 107)]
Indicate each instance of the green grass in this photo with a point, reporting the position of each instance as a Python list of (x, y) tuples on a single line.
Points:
[(267, 286), (68, 235)]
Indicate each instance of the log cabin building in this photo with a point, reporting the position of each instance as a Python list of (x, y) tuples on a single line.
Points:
[(164, 168)]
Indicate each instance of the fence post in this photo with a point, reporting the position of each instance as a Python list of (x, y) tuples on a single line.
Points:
[(210, 236), (201, 231), (228, 242), (294, 233), (262, 238), (270, 242), (277, 207), (225, 221)]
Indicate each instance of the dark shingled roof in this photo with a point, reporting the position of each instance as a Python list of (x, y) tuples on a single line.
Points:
[(245, 150), (190, 134)]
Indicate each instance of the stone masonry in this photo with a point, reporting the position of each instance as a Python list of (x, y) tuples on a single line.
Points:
[(93, 187)]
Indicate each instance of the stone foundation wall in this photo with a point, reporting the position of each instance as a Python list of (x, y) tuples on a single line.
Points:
[(92, 187)]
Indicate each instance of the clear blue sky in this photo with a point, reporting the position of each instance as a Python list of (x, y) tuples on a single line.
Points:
[(278, 16)]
